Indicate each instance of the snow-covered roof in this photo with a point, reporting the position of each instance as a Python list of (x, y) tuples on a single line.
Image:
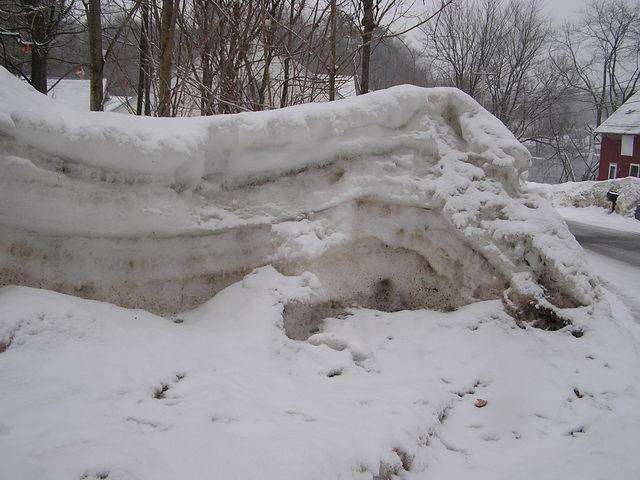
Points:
[(76, 93), (625, 120)]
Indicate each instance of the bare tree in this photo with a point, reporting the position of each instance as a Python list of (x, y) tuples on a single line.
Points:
[(97, 55), (35, 27), (465, 40), (598, 58), (604, 50), (143, 91), (517, 70), (332, 46), (170, 10), (498, 53), (96, 60), (383, 19)]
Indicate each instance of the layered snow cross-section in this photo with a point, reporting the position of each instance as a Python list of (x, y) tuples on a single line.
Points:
[(399, 199)]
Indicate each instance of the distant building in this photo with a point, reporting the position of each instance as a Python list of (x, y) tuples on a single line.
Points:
[(620, 145)]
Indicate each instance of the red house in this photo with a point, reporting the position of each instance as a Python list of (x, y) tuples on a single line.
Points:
[(620, 145)]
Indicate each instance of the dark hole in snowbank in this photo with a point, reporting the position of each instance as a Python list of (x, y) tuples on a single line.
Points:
[(301, 320), (370, 274)]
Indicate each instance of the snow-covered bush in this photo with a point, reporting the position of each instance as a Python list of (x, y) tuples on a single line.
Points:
[(403, 198)]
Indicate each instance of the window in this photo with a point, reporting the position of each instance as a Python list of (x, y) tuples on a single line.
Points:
[(634, 170), (626, 147), (613, 170)]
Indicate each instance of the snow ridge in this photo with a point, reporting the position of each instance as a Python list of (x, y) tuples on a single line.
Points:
[(403, 198)]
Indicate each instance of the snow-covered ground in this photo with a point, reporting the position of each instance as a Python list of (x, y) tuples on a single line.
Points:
[(612, 245), (579, 196), (90, 390), (618, 269), (619, 277), (600, 217)]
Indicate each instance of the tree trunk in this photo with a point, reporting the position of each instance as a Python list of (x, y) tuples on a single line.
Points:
[(368, 24), (167, 28), (207, 80), (229, 97), (143, 73), (332, 40), (39, 49), (96, 61), (264, 93), (205, 59), (287, 60), (601, 102), (39, 69)]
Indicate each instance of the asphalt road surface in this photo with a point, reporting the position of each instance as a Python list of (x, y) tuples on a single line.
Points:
[(621, 246), (615, 256)]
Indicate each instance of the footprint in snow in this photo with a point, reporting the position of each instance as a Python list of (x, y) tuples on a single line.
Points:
[(148, 424), (303, 416), (160, 392)]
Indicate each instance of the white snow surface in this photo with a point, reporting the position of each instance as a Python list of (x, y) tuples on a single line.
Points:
[(621, 278), (600, 217), (76, 93), (404, 198), (94, 391), (400, 200), (583, 195)]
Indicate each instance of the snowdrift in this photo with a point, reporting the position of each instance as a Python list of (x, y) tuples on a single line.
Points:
[(594, 194), (400, 199)]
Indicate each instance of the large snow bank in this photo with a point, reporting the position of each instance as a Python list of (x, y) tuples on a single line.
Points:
[(92, 391), (403, 198)]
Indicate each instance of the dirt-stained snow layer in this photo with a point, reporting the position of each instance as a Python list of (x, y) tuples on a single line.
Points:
[(403, 198)]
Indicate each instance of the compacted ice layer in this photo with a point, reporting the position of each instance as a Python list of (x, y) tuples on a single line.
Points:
[(404, 198)]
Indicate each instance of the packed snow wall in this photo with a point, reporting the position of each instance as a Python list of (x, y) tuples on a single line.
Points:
[(403, 198)]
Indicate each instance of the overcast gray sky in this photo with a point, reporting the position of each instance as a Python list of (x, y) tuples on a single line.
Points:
[(564, 9)]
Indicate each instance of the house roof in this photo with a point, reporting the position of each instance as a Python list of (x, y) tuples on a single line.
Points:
[(76, 94), (73, 92), (625, 120)]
